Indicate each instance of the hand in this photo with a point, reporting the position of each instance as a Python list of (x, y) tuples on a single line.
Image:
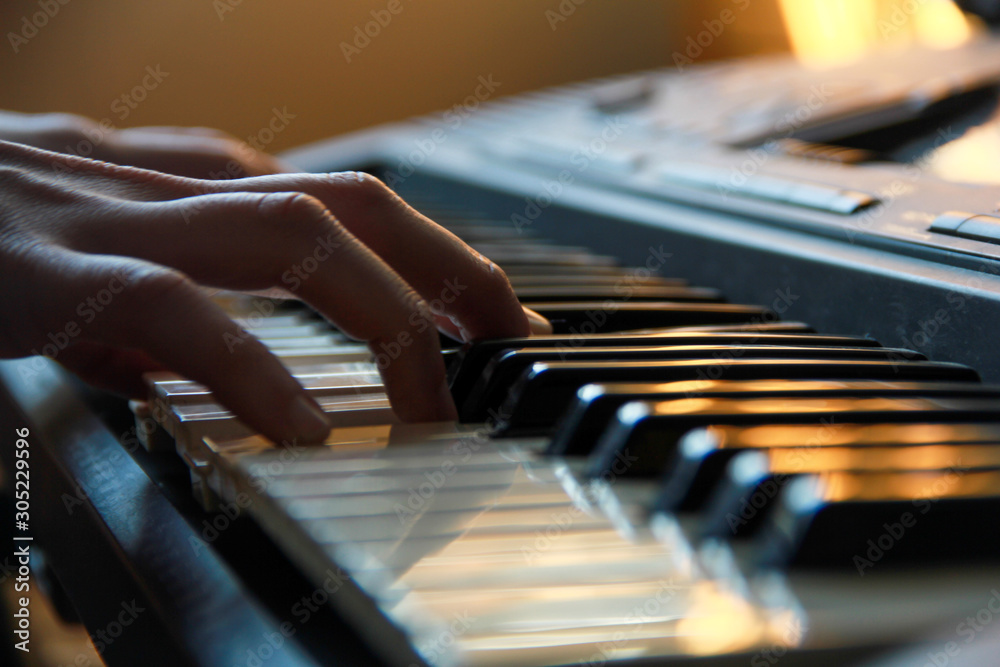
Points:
[(197, 152), (110, 256)]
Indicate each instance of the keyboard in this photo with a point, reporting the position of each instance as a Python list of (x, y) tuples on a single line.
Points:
[(625, 493), (763, 428)]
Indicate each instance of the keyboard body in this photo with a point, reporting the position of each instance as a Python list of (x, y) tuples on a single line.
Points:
[(675, 171)]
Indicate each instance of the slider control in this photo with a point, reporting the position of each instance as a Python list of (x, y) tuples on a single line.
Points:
[(968, 225), (827, 198)]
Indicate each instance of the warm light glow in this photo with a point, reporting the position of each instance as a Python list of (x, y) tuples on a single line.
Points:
[(813, 435), (717, 622), (941, 25), (830, 32)]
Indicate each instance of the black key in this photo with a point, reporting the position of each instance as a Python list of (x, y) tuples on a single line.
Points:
[(867, 523), (545, 391), (624, 292), (504, 369), (772, 327), (753, 480), (646, 433), (627, 277), (595, 405), (507, 255), (474, 357), (703, 455), (585, 317), (543, 268)]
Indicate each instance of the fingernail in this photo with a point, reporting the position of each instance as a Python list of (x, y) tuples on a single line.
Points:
[(308, 420), (538, 324)]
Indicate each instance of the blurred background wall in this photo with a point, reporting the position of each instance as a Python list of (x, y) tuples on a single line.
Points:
[(230, 63), (340, 66)]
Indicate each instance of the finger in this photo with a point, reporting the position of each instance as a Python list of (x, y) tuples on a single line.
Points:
[(250, 241), (198, 154), (127, 303), (457, 282)]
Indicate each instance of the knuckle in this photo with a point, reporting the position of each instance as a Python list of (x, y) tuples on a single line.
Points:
[(286, 207), (67, 128), (213, 133), (363, 189), (296, 214), (149, 286)]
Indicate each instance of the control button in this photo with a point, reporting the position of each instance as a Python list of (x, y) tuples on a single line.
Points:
[(770, 188), (968, 226), (981, 228), (947, 223)]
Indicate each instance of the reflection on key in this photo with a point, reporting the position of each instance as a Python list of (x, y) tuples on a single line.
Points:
[(866, 523), (645, 434), (703, 455), (759, 476), (595, 405)]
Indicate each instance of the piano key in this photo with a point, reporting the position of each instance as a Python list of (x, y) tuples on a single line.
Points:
[(325, 354), (546, 390), (762, 327), (586, 317), (632, 293), (190, 424), (560, 256), (754, 479), (543, 268), (560, 280), (504, 369), (330, 380), (264, 330), (318, 342), (867, 523), (471, 360), (595, 405), (645, 434), (702, 456)]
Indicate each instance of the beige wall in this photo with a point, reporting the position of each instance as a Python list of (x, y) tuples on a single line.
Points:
[(229, 69)]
